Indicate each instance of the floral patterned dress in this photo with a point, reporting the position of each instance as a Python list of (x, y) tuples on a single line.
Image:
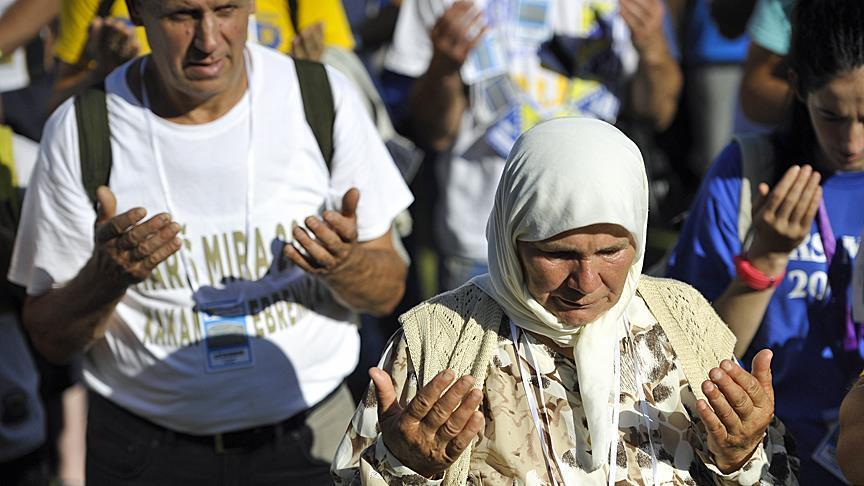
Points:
[(661, 440)]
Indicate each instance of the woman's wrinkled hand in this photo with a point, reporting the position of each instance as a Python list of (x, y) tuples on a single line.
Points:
[(436, 426), (741, 407)]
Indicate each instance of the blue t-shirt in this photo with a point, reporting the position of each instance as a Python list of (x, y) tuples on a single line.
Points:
[(771, 25), (809, 382), (705, 45)]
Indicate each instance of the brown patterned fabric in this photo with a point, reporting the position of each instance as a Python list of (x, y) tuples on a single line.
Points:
[(509, 451)]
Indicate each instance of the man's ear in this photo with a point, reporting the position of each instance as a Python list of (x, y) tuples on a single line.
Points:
[(134, 7)]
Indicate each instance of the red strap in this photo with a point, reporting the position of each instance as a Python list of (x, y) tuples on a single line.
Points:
[(754, 278)]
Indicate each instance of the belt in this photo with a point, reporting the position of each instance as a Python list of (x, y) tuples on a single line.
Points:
[(232, 442)]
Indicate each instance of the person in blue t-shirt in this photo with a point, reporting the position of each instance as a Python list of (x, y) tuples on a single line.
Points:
[(788, 288)]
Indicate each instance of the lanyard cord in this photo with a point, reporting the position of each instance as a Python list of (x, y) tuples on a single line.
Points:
[(838, 286), (643, 406), (516, 335), (184, 253)]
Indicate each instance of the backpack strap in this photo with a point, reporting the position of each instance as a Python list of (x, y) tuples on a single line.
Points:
[(757, 166), (104, 9), (94, 140), (317, 104), (293, 16)]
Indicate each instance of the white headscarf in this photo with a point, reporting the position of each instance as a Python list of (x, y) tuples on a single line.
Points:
[(564, 174)]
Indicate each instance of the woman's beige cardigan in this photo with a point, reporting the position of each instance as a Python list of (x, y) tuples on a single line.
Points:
[(459, 330)]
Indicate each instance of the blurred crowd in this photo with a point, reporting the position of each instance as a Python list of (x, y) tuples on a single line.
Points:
[(749, 115)]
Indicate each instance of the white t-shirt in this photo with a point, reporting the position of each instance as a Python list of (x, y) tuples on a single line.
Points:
[(469, 176), (153, 359)]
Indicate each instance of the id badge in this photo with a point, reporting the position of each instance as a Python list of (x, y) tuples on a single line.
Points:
[(532, 21), (826, 453), (492, 98), (504, 133), (487, 60), (226, 338), (858, 285)]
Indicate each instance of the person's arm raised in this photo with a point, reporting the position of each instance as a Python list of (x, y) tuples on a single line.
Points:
[(438, 97), (781, 221), (765, 90), (67, 320), (366, 276), (657, 82), (22, 21)]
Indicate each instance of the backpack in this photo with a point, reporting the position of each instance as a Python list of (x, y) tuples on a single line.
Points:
[(757, 166), (94, 134)]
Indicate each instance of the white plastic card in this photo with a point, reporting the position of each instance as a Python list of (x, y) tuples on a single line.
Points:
[(487, 60), (226, 344), (532, 21), (493, 97), (826, 453)]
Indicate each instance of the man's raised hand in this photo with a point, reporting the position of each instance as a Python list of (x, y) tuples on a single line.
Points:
[(335, 243), (126, 251), (436, 426)]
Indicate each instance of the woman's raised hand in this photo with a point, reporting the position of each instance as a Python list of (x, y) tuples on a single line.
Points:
[(436, 426), (742, 405), (783, 218)]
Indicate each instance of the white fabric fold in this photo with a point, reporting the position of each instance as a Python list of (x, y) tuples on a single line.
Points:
[(564, 174)]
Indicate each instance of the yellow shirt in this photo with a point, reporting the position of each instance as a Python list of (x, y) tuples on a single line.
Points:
[(273, 24)]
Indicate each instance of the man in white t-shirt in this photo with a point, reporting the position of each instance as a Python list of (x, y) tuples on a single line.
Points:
[(215, 296), (487, 70)]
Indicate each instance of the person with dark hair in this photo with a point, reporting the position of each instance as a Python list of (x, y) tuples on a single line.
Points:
[(775, 228)]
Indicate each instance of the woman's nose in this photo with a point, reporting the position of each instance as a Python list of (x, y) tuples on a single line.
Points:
[(583, 277)]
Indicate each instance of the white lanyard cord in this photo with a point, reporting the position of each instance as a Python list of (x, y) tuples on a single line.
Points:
[(642, 402), (532, 404), (194, 284), (616, 409)]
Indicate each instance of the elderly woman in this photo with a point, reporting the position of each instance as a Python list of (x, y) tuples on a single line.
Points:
[(584, 371)]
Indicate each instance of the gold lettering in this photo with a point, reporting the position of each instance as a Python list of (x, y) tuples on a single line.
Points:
[(281, 233), (227, 248), (172, 267), (160, 330), (184, 330), (261, 263), (190, 262), (156, 279), (269, 321), (240, 253), (213, 257), (292, 313), (196, 328), (279, 308), (172, 338), (256, 323), (147, 323)]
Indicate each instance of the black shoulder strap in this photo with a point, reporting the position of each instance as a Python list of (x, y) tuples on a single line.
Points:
[(293, 14), (318, 104), (94, 140), (104, 9)]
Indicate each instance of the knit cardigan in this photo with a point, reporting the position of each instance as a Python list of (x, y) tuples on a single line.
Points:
[(459, 330)]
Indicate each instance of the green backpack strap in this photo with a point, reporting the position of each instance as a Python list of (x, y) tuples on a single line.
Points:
[(94, 140), (318, 104)]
